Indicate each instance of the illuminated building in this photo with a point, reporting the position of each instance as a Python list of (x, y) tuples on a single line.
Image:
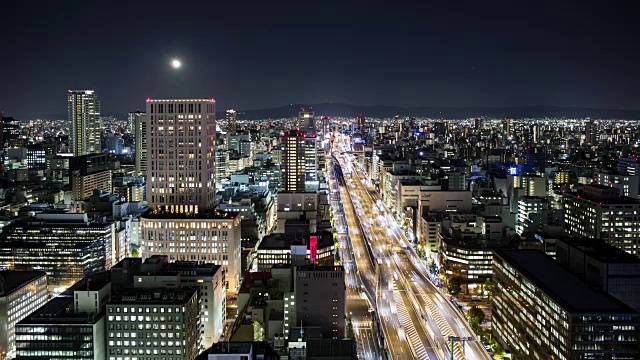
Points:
[(181, 154), (293, 162), (209, 236), (629, 165), (626, 183), (70, 326), (153, 323), (307, 121), (542, 311), (21, 293), (231, 122), (600, 212), (84, 115), (139, 120), (67, 247), (278, 249), (89, 173), (157, 273)]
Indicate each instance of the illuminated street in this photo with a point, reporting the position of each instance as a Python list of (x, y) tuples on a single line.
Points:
[(417, 317)]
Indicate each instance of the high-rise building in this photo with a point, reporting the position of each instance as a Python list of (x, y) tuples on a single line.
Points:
[(542, 311), (84, 115), (307, 121), (591, 133), (150, 323), (181, 154), (232, 126), (139, 119), (21, 293), (311, 182), (600, 212), (293, 162)]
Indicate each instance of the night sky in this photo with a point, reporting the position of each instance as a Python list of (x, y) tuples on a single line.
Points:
[(251, 55)]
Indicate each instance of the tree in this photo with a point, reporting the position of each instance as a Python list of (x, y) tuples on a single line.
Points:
[(454, 286), (475, 315), (135, 253), (488, 287), (433, 268), (350, 334)]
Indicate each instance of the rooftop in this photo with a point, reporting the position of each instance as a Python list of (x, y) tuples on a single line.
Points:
[(13, 280), (600, 250), (153, 296), (565, 288), (206, 214)]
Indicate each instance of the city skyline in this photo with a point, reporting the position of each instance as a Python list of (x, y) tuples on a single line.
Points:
[(421, 55)]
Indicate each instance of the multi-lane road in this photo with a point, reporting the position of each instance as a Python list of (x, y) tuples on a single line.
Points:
[(417, 318)]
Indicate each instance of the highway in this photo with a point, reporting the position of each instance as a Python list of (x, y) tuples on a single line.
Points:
[(426, 316)]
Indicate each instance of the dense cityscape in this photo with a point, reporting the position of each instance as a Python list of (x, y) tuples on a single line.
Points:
[(317, 237), (319, 180)]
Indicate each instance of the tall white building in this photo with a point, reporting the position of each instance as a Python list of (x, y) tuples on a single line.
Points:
[(231, 122), (84, 114), (293, 162), (181, 144)]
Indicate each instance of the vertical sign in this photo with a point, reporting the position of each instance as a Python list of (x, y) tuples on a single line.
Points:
[(313, 248)]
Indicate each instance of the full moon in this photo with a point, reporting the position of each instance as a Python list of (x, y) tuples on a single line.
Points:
[(175, 63)]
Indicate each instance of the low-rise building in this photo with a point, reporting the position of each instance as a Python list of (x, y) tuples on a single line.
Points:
[(21, 293)]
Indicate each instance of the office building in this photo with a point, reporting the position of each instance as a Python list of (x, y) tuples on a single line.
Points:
[(307, 121), (590, 133), (181, 154), (21, 293), (67, 247), (208, 236), (533, 213), (84, 116), (232, 127), (140, 123), (311, 182), (153, 323), (600, 212), (542, 311), (209, 279), (277, 249), (626, 183), (603, 266), (629, 165), (293, 162), (89, 173), (320, 295), (70, 326), (535, 159), (456, 181)]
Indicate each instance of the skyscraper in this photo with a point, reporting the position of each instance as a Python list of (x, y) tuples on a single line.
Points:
[(591, 133), (84, 114), (293, 162), (140, 124), (307, 121), (231, 122), (181, 153)]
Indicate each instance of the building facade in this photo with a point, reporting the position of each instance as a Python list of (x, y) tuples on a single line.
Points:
[(21, 293), (153, 323), (84, 115), (181, 154), (542, 311), (207, 236)]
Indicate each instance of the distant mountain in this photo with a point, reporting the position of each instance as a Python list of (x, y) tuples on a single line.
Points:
[(382, 111)]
